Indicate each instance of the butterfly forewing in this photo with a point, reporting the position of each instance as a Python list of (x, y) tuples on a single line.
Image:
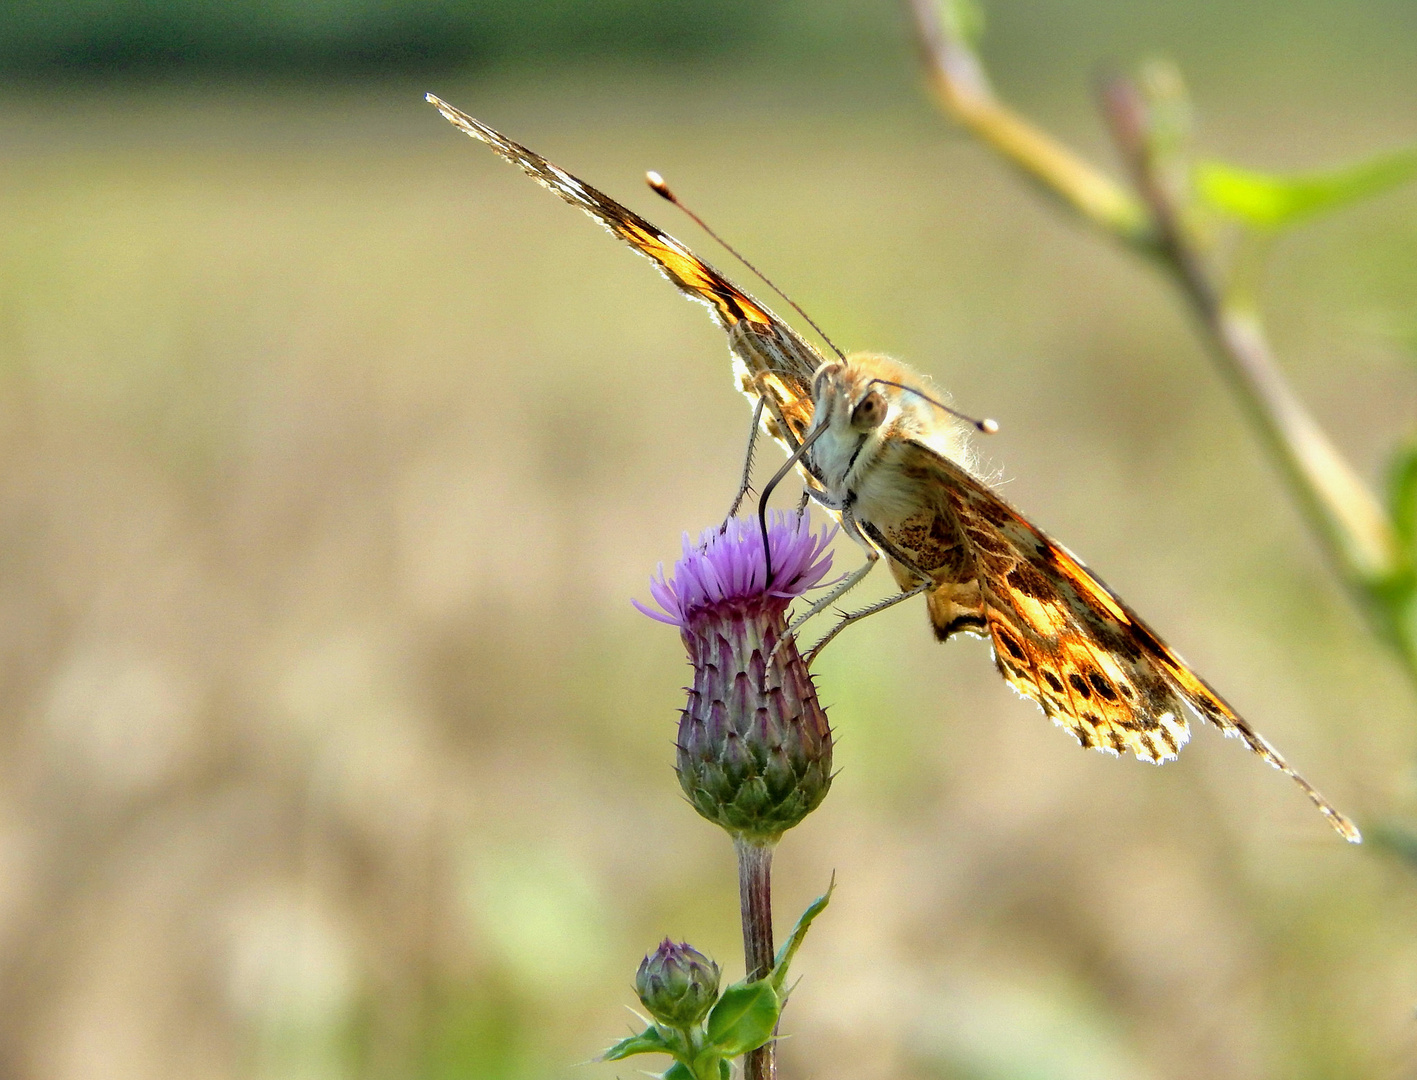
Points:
[(1064, 640), (772, 360)]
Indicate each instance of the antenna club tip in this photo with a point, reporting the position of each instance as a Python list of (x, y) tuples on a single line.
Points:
[(989, 427), (658, 186)]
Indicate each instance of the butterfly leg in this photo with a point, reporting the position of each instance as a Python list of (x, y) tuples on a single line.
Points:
[(849, 526), (744, 483), (927, 584), (870, 609)]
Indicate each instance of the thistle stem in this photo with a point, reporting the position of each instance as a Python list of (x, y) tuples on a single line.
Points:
[(755, 897)]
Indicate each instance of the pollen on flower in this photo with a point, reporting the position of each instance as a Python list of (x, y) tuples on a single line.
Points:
[(727, 564)]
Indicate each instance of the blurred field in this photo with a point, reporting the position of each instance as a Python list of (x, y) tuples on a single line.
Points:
[(332, 451)]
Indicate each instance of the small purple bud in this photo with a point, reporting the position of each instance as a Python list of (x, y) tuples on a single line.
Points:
[(677, 984), (755, 749)]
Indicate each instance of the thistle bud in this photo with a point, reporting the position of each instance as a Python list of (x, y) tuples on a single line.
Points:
[(677, 984), (755, 749)]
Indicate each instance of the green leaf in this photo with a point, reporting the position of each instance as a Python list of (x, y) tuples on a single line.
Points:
[(1169, 117), (744, 1017), (1266, 201), (1396, 839), (747, 1013), (678, 1071), (649, 1041), (1404, 616), (778, 975), (963, 19), (1403, 498), (1398, 593)]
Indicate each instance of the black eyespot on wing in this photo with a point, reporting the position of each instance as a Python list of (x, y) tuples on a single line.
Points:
[(1011, 644), (1102, 685)]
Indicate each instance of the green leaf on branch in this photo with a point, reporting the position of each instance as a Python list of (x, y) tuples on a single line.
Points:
[(649, 1041), (1168, 111), (744, 1017), (747, 1013), (1398, 593), (1403, 500), (1396, 839), (963, 20), (778, 975), (680, 1071), (1267, 201)]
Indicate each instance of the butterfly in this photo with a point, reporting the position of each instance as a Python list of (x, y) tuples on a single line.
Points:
[(898, 477)]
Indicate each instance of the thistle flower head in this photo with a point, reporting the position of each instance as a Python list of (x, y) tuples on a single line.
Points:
[(677, 984), (726, 566), (754, 744)]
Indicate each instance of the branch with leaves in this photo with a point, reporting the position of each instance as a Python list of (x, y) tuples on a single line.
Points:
[(1174, 213)]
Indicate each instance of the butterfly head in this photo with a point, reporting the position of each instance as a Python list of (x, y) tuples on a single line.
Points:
[(864, 404)]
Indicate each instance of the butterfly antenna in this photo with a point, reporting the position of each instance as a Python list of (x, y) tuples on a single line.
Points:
[(987, 426), (660, 188)]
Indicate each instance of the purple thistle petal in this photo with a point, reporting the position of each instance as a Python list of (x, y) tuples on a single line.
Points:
[(656, 615), (728, 565)]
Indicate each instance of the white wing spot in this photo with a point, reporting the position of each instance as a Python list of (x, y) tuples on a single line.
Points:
[(568, 182)]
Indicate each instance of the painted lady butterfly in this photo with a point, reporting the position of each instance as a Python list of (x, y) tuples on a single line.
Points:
[(889, 466)]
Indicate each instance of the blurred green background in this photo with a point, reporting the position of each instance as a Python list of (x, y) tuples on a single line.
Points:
[(332, 451)]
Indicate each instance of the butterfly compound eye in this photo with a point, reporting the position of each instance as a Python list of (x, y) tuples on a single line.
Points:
[(870, 412)]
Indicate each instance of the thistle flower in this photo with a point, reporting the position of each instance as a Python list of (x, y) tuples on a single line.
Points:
[(754, 745), (677, 984)]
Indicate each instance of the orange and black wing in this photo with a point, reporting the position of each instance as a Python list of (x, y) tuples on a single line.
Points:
[(1064, 640), (773, 359)]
